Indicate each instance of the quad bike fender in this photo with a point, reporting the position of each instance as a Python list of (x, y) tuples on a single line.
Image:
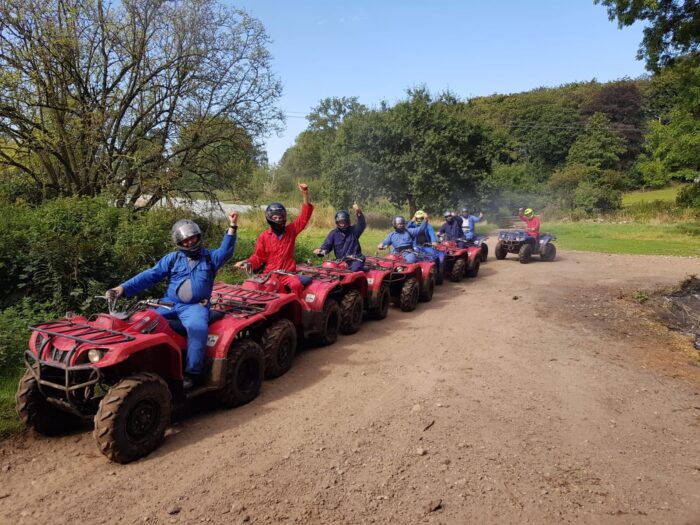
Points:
[(425, 268), (473, 253), (314, 296)]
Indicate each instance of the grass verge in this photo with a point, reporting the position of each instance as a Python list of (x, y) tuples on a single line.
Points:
[(668, 194)]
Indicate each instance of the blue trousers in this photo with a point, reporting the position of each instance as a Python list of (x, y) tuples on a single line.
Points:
[(195, 319), (355, 265), (470, 236), (439, 255), (409, 257)]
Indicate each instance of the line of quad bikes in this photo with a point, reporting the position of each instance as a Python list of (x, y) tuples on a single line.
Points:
[(124, 369)]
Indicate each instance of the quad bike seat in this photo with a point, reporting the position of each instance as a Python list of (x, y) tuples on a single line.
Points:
[(178, 327)]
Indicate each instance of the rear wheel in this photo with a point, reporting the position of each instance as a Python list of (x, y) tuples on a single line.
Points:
[(36, 412), (329, 323), (458, 269), (525, 253), (474, 270), (500, 251), (426, 293), (381, 309), (549, 253), (279, 345), (245, 369), (132, 417), (351, 309), (484, 252), (408, 300)]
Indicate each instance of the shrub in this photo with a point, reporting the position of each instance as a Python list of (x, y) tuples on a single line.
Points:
[(14, 333), (689, 197), (594, 197)]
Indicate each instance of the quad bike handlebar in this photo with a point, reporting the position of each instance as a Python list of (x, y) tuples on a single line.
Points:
[(112, 298)]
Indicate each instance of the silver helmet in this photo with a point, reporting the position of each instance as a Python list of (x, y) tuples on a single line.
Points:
[(184, 229)]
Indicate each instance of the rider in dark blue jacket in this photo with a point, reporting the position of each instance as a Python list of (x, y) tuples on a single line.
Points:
[(452, 228), (345, 239), (191, 271)]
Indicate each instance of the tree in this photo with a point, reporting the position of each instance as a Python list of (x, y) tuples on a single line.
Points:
[(621, 102), (673, 30), (598, 145), (304, 159), (423, 152), (97, 97)]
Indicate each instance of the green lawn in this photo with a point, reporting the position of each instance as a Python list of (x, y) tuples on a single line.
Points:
[(9, 422), (664, 194), (635, 238)]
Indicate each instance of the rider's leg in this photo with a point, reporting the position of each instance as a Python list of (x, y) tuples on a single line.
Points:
[(409, 257), (355, 265), (195, 319), (294, 283)]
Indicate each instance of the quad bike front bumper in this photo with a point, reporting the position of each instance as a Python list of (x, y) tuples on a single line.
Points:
[(65, 386)]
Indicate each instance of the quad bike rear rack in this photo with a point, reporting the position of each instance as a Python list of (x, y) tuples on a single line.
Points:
[(240, 302)]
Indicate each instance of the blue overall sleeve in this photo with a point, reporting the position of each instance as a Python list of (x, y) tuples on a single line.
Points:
[(147, 278), (224, 252), (431, 233), (387, 241), (415, 230)]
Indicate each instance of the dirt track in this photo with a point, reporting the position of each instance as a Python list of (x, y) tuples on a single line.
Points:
[(560, 405)]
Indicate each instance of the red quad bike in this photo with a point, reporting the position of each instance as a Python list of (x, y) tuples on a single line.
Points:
[(321, 315), (277, 327), (460, 259), (123, 369), (407, 283), (353, 296)]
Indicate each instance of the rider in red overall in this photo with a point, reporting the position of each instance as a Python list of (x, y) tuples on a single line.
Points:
[(531, 220), (275, 246)]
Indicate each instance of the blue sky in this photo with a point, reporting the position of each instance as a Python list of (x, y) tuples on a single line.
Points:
[(375, 50)]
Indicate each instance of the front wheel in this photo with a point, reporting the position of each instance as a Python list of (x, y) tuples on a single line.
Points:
[(458, 269), (329, 323), (245, 369), (381, 309), (279, 345), (426, 293), (132, 417), (500, 251), (484, 254), (408, 300), (525, 253), (36, 412), (351, 310), (474, 270), (549, 252)]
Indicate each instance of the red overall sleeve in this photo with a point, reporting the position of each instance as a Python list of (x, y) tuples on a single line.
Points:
[(300, 223)]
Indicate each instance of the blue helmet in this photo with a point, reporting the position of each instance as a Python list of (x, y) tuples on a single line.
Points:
[(342, 220)]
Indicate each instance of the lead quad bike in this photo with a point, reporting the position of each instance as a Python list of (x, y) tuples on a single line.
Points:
[(522, 243), (124, 369), (407, 282)]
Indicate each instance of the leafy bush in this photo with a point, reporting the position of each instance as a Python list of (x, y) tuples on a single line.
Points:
[(594, 197), (689, 197), (14, 333)]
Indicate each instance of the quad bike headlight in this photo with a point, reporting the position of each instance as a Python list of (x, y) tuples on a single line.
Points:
[(399, 268), (95, 354)]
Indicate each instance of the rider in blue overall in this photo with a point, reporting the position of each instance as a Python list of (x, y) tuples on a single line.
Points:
[(468, 223), (427, 240), (345, 239), (402, 238), (190, 270)]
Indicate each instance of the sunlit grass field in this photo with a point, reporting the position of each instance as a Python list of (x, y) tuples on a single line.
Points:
[(664, 194)]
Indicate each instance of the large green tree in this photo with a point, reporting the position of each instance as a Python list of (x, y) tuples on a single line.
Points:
[(673, 28), (598, 146), (423, 152), (101, 96)]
